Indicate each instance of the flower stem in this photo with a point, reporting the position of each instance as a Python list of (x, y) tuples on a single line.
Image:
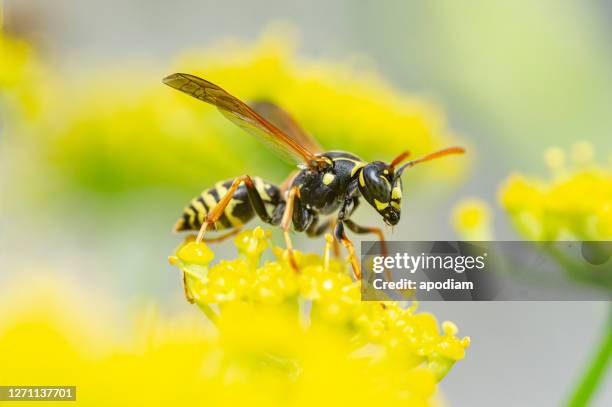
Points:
[(596, 368), (209, 312)]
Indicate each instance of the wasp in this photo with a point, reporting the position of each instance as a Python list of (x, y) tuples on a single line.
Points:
[(322, 194)]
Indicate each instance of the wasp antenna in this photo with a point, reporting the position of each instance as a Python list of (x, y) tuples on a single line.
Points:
[(401, 157), (432, 156)]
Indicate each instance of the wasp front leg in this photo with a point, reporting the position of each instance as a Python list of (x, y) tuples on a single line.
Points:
[(301, 217), (340, 235), (347, 208), (368, 229), (286, 223), (316, 229)]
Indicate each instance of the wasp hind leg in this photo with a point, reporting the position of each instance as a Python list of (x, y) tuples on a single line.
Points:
[(217, 211), (216, 239)]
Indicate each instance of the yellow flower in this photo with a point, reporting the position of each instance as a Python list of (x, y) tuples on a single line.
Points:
[(574, 204), (21, 78), (260, 353), (472, 219), (323, 300)]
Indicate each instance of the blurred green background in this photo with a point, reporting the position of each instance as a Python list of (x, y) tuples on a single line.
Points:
[(98, 157)]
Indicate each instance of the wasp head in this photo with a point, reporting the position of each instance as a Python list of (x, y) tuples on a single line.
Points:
[(382, 189), (381, 183)]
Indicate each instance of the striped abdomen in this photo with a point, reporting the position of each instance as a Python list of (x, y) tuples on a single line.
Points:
[(238, 212)]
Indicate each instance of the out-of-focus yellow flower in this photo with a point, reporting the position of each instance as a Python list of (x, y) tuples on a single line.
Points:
[(389, 349), (576, 203), (122, 130), (583, 153), (21, 78), (52, 333), (555, 158), (472, 219)]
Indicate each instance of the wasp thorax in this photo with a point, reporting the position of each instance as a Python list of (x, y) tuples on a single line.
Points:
[(376, 183)]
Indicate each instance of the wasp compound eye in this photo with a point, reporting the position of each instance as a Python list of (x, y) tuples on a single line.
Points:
[(374, 182)]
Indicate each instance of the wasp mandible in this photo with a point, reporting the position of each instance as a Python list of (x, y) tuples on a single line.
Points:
[(328, 184)]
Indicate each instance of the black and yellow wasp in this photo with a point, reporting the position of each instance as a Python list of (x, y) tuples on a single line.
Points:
[(327, 183)]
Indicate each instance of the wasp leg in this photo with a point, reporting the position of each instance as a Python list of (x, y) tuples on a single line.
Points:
[(345, 211), (350, 248), (222, 237), (315, 229), (254, 197), (374, 230), (215, 213), (302, 216), (258, 203), (286, 223), (335, 244), (368, 229), (215, 239)]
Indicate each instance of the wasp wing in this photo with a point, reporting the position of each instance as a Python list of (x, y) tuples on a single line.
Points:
[(286, 123), (240, 114)]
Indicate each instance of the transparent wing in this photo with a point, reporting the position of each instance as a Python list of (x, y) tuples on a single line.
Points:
[(286, 123), (242, 115)]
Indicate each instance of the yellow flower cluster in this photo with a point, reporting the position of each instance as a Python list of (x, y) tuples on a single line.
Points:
[(281, 339), (382, 348), (576, 203), (121, 129)]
